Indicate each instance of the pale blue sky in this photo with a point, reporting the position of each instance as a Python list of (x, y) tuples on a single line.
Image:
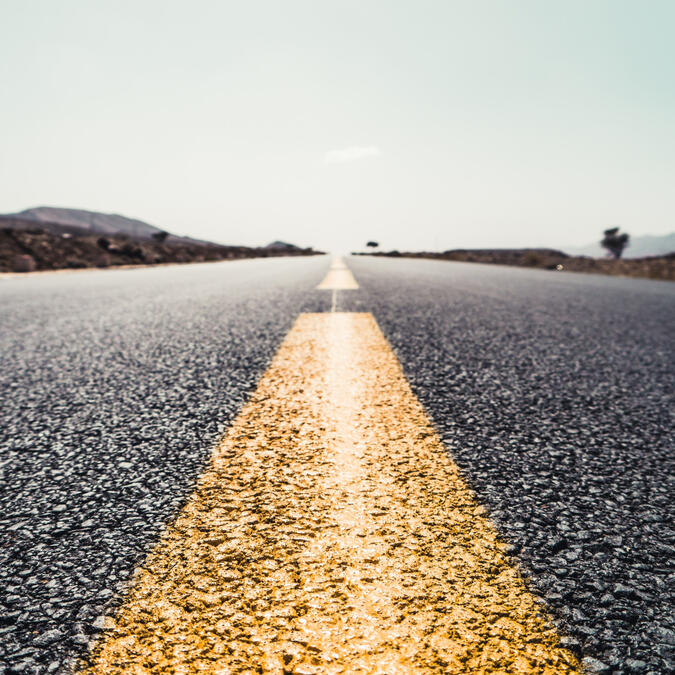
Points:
[(423, 124)]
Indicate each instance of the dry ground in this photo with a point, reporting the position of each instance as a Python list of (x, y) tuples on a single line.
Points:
[(656, 267), (36, 249)]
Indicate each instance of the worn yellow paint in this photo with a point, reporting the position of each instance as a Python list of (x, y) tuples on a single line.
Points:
[(331, 533), (339, 278)]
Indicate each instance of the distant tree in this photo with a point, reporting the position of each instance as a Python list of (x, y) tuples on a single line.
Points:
[(372, 244), (160, 236), (614, 242)]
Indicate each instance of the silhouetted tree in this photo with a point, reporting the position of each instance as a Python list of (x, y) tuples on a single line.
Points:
[(372, 244), (160, 236), (614, 242)]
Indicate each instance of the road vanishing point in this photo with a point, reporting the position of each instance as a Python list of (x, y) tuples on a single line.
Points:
[(362, 465)]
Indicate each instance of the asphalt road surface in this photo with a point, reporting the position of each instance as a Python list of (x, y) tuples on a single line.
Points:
[(551, 391)]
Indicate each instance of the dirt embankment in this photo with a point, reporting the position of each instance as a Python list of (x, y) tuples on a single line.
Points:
[(35, 249), (656, 267)]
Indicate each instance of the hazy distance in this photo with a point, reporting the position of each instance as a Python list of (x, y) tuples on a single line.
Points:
[(423, 125)]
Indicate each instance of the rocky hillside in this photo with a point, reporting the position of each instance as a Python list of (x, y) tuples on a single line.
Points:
[(23, 250), (78, 221), (48, 238)]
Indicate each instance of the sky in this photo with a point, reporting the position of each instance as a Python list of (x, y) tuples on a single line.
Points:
[(420, 124)]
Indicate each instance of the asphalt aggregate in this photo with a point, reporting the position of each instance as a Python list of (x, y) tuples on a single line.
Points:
[(116, 385), (552, 391), (554, 394)]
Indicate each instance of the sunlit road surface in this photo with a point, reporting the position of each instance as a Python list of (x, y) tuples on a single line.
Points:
[(331, 533), (339, 524)]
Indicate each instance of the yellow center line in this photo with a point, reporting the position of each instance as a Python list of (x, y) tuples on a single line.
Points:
[(338, 264), (331, 533), (339, 277)]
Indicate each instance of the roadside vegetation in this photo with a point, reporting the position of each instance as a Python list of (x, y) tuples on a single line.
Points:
[(653, 267), (29, 250), (615, 242)]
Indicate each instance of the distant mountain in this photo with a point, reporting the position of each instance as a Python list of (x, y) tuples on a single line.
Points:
[(638, 247), (281, 244), (64, 220)]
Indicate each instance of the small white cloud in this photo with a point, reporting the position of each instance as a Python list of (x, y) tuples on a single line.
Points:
[(351, 154)]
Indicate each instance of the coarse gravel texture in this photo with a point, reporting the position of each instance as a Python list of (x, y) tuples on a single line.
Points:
[(553, 392), (331, 533), (116, 385)]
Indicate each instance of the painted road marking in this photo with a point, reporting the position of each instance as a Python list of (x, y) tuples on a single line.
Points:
[(339, 278), (332, 533)]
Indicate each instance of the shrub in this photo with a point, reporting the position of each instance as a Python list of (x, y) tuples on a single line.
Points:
[(532, 259), (24, 263), (614, 242)]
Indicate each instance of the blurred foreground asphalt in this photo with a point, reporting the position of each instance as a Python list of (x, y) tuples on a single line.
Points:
[(553, 392)]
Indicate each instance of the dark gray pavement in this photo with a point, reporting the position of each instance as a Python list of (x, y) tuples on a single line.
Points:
[(115, 386), (553, 391)]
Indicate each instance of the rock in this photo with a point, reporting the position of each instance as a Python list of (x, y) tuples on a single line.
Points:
[(24, 263), (614, 541), (81, 639), (664, 635), (592, 665), (84, 612), (578, 616), (570, 643), (102, 260), (102, 623), (623, 591), (667, 654), (48, 638), (28, 666)]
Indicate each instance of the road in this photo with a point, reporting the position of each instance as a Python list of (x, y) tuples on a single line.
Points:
[(552, 393)]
